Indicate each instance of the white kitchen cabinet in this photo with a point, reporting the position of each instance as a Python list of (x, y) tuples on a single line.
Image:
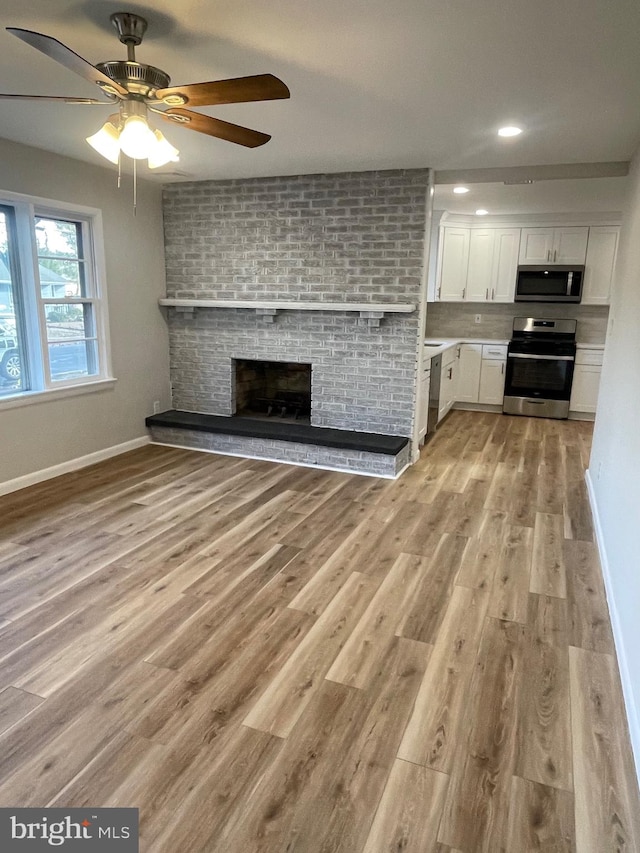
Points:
[(469, 373), (423, 399), (505, 264), (492, 371), (586, 381), (448, 381), (554, 245), (454, 262), (599, 265), (480, 268), (478, 264), (492, 382)]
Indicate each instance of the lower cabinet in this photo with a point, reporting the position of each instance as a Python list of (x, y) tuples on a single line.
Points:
[(586, 381), (481, 373), (494, 365), (469, 373), (423, 400), (448, 381), (475, 373), (492, 381)]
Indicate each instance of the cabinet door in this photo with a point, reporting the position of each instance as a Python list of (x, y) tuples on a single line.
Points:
[(423, 403), (536, 245), (600, 263), (454, 264), (469, 373), (585, 387), (479, 275), (447, 387), (492, 381), (505, 264), (570, 245)]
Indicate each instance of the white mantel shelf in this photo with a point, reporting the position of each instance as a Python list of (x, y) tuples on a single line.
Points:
[(372, 312)]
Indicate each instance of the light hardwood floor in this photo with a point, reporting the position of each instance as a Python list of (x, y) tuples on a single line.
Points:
[(269, 658)]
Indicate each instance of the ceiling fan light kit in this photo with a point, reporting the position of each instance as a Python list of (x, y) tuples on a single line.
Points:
[(107, 142), (141, 88)]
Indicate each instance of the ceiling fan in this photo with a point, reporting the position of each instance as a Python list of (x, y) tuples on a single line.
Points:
[(138, 89)]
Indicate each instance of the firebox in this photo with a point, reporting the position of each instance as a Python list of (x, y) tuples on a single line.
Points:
[(273, 389)]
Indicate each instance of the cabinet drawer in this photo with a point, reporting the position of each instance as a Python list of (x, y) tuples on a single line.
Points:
[(494, 351), (589, 356), (448, 356)]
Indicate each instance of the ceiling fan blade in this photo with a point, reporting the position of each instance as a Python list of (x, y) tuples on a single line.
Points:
[(54, 49), (215, 127), (56, 98), (259, 87)]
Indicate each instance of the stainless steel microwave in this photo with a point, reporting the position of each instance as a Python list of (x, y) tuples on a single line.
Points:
[(553, 283)]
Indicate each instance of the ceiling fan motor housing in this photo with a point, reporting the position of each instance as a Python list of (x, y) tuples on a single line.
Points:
[(137, 78)]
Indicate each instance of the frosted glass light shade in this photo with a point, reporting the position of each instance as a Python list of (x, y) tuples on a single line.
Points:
[(136, 139), (162, 152), (106, 142)]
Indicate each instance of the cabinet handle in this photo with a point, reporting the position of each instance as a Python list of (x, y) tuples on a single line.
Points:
[(555, 252), (487, 296), (493, 293), (548, 254), (450, 372), (502, 371), (464, 292)]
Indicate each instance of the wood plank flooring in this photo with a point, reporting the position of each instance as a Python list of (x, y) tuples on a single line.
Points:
[(264, 658)]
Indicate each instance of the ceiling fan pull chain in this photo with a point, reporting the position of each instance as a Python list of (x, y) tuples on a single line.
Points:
[(135, 187), (119, 168)]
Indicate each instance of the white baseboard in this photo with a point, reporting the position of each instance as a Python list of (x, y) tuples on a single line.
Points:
[(72, 465), (629, 698)]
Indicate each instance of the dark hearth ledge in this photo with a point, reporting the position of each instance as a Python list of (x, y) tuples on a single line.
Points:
[(368, 442)]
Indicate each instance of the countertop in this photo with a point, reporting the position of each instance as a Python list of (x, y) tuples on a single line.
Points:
[(447, 343)]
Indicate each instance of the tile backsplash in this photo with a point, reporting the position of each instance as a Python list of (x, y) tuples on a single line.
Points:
[(456, 319)]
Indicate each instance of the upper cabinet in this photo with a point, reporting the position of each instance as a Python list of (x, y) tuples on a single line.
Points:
[(505, 264), (600, 264), (480, 270), (477, 264), (454, 262), (554, 245)]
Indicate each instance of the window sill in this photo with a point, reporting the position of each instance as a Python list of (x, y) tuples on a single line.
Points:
[(27, 398)]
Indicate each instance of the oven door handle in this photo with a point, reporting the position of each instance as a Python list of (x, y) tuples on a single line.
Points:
[(541, 357)]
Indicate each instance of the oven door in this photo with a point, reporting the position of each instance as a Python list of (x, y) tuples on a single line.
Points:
[(538, 384)]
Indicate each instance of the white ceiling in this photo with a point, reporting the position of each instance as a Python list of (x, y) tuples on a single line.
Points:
[(374, 83), (602, 195)]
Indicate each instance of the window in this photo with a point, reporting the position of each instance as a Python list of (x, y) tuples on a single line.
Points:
[(52, 314)]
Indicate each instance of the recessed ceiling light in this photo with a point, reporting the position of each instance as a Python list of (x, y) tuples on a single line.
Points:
[(461, 190), (481, 211), (510, 130)]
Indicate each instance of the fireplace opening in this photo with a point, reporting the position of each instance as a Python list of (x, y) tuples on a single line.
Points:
[(273, 389)]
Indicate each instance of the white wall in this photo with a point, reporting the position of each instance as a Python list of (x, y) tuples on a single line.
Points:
[(50, 433), (614, 469)]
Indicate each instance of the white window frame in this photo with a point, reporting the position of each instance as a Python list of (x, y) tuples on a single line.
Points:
[(26, 209)]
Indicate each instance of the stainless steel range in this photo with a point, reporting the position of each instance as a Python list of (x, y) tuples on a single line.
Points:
[(540, 361)]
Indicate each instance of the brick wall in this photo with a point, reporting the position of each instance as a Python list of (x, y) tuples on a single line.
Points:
[(354, 237)]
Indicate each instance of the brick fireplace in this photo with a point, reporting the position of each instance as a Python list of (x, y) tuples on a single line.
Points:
[(343, 238)]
